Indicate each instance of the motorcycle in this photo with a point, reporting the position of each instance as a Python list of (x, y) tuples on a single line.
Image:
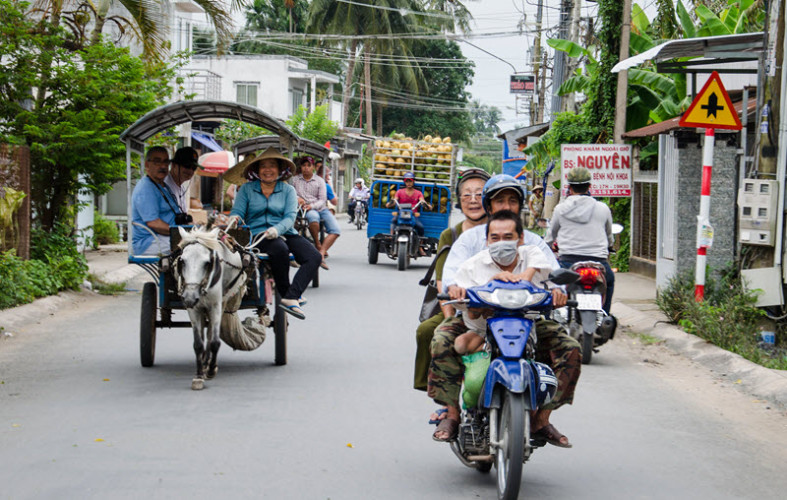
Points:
[(496, 431), (406, 243), (360, 212), (587, 322)]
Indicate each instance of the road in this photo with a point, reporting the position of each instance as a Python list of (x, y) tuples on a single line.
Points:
[(79, 417)]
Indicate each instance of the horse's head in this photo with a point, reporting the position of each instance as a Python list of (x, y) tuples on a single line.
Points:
[(198, 268)]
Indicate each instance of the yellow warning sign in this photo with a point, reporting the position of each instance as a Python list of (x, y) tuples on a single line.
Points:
[(711, 108)]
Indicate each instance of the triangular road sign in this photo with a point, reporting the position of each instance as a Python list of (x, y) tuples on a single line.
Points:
[(711, 108)]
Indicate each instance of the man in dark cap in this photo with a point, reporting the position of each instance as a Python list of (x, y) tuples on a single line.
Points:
[(184, 164)]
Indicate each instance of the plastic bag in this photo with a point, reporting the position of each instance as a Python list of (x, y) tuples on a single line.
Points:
[(476, 366)]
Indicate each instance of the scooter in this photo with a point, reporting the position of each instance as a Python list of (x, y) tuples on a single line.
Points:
[(360, 212), (587, 322), (406, 243), (496, 431)]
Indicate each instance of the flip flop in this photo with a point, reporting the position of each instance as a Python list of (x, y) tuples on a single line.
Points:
[(293, 310), (438, 412), (448, 425), (302, 301), (551, 436), (324, 266)]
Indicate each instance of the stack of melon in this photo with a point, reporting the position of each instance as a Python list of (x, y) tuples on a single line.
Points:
[(430, 159)]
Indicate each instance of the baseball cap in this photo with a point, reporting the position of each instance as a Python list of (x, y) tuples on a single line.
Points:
[(186, 157)]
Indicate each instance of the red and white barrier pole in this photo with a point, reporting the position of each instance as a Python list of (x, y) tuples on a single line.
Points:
[(704, 229)]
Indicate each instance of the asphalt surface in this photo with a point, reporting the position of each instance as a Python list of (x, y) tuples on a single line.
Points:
[(80, 418)]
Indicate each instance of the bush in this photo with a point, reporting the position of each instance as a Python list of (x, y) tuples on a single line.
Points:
[(726, 318), (105, 231), (56, 265)]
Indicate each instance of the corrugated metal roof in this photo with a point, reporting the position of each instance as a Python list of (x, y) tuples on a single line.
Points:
[(745, 45), (672, 123), (518, 133)]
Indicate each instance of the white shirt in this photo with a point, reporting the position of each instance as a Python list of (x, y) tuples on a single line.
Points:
[(180, 193), (479, 270), (473, 241)]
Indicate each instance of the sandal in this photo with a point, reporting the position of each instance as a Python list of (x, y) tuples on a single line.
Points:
[(324, 266), (448, 425), (437, 416), (552, 436), (293, 310)]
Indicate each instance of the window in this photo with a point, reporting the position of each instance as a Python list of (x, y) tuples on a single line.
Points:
[(246, 93), (297, 99)]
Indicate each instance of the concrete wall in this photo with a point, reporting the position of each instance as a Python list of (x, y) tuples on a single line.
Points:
[(722, 204), (270, 72)]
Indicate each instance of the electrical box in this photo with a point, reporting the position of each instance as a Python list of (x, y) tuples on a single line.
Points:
[(757, 201)]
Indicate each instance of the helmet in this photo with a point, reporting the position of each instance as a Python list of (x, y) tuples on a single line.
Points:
[(409, 175), (579, 175), (498, 183), (470, 173), (358, 180), (546, 382)]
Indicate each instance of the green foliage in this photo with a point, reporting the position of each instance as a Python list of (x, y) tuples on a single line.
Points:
[(621, 213), (232, 132), (10, 202), (727, 317), (82, 101), (491, 165), (485, 118), (600, 105), (567, 128), (442, 97), (57, 248), (105, 231), (315, 126)]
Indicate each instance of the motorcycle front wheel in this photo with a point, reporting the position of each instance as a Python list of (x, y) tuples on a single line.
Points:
[(403, 257), (514, 425)]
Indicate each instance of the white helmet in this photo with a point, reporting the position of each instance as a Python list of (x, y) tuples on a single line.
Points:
[(359, 180)]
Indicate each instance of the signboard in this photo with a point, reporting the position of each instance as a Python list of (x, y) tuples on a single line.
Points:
[(712, 108), (609, 166), (523, 84)]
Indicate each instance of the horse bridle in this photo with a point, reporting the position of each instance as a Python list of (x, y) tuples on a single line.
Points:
[(209, 281)]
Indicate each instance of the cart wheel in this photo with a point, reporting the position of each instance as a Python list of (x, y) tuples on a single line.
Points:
[(280, 324), (374, 251), (147, 325)]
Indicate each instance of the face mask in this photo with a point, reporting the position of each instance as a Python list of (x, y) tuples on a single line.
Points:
[(504, 252)]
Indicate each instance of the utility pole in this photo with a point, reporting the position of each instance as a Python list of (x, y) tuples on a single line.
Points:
[(558, 73), (569, 103), (542, 90), (537, 113), (623, 80)]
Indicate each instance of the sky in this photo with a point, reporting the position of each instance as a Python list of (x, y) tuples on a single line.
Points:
[(491, 82)]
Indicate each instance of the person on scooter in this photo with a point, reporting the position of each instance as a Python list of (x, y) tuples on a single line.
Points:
[(505, 259), (358, 190), (501, 192), (412, 196), (581, 229), (469, 190)]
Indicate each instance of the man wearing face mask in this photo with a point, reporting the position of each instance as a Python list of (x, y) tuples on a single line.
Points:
[(556, 348)]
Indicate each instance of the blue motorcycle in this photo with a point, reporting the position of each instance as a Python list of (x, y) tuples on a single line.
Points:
[(406, 242), (496, 431)]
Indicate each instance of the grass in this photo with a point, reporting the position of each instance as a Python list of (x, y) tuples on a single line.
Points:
[(646, 339), (106, 288)]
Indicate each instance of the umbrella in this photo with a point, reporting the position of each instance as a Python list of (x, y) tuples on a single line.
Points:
[(216, 163)]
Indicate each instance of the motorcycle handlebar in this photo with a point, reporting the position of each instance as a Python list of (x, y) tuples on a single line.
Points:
[(443, 296), (572, 303)]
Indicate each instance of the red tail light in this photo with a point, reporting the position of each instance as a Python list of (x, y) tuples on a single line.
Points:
[(588, 276)]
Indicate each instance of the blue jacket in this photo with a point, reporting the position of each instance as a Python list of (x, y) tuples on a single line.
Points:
[(260, 212)]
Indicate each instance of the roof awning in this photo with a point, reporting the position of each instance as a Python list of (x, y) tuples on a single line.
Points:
[(745, 46), (262, 142), (206, 141), (181, 112), (513, 136)]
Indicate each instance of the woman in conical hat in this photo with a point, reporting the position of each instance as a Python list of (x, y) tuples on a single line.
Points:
[(268, 205)]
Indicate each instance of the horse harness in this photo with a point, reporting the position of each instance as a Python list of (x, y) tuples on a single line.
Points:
[(215, 275)]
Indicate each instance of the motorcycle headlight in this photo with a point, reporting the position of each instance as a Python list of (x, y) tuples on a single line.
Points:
[(405, 215), (511, 299)]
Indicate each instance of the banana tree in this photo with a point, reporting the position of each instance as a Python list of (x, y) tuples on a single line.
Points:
[(9, 205)]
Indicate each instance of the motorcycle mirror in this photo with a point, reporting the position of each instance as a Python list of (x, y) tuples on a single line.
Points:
[(563, 276), (617, 228)]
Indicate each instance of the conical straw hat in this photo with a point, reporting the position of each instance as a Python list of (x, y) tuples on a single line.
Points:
[(238, 173)]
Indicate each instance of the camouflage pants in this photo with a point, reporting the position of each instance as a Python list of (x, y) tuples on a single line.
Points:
[(554, 348)]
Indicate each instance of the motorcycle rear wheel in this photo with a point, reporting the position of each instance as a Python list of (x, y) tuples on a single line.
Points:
[(513, 426), (587, 348)]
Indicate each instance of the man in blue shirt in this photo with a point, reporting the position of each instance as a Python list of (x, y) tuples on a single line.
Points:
[(153, 205)]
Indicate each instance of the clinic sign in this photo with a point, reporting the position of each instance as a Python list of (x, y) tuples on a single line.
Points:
[(523, 84), (609, 166)]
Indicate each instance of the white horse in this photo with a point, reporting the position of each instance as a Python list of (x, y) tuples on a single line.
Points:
[(207, 272)]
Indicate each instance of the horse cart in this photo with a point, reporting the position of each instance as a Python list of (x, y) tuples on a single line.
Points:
[(161, 296)]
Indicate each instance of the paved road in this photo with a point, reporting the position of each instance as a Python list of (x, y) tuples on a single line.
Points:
[(79, 417)]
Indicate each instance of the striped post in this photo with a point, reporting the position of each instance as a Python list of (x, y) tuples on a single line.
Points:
[(704, 217)]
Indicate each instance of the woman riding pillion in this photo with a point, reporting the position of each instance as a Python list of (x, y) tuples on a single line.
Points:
[(268, 205)]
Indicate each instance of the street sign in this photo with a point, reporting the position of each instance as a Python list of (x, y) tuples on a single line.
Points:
[(712, 108), (609, 166), (523, 84)]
